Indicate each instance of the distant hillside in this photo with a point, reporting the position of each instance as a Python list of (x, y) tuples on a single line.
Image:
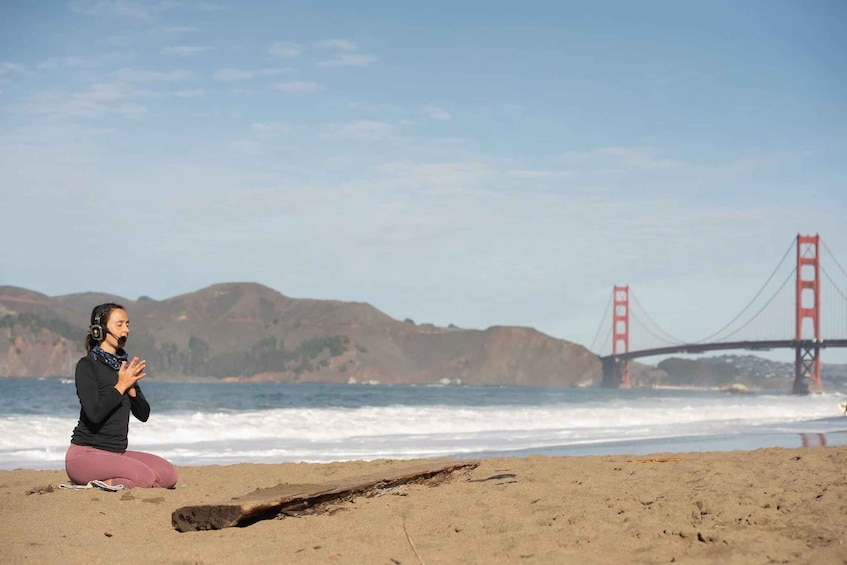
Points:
[(248, 331), (750, 370)]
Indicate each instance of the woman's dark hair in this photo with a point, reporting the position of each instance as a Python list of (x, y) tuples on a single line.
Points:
[(99, 316)]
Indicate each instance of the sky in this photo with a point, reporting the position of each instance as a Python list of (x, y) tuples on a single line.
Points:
[(474, 163)]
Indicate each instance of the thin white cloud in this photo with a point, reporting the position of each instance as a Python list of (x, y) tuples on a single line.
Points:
[(122, 8), (297, 87), (538, 174), (634, 157), (349, 60), (638, 157), (369, 108), (7, 68), (271, 128), (286, 50), (129, 74), (139, 9), (437, 177), (247, 146), (365, 129), (96, 102), (207, 6), (119, 40), (436, 113), (575, 157), (124, 94), (453, 141), (185, 50), (234, 74), (58, 62), (179, 29), (111, 91), (231, 75), (340, 44), (348, 54), (194, 93)]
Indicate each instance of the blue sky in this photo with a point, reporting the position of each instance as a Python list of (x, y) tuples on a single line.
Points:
[(474, 163)]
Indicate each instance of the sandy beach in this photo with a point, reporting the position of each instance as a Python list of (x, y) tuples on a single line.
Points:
[(764, 506)]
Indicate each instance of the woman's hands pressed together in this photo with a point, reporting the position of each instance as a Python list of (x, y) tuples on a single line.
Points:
[(129, 374)]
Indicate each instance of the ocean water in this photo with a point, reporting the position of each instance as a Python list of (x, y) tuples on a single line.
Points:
[(225, 423)]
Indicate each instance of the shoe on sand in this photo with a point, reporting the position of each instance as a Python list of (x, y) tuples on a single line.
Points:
[(102, 485), (73, 486), (105, 486)]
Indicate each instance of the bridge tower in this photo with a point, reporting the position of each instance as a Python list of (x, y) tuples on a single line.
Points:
[(807, 361), (620, 334)]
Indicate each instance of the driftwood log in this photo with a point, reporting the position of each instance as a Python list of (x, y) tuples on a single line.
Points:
[(270, 502)]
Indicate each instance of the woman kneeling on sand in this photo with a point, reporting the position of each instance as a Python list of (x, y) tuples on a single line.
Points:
[(108, 391)]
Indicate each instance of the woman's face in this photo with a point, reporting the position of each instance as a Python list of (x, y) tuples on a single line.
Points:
[(117, 330)]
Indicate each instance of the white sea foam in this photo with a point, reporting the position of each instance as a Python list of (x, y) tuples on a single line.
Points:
[(331, 434)]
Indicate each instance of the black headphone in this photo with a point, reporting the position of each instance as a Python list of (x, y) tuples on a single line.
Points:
[(97, 330)]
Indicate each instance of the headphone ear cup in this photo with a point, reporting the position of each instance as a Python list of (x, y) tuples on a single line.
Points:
[(97, 332)]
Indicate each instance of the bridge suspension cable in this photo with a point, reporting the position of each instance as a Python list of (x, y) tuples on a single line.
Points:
[(756, 315), (602, 325), (753, 300), (665, 337), (836, 309), (834, 260), (834, 284)]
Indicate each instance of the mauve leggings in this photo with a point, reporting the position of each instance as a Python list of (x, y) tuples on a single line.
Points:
[(130, 468)]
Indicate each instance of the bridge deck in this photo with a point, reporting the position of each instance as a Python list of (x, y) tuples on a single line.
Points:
[(721, 346)]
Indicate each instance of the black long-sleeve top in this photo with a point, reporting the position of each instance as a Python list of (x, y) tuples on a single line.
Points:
[(104, 412)]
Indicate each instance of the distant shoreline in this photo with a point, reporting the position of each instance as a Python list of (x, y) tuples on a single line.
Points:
[(730, 388)]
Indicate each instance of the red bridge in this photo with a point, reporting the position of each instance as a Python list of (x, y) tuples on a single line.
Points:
[(760, 331)]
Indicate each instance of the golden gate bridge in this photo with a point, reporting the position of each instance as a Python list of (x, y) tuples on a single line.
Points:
[(805, 313)]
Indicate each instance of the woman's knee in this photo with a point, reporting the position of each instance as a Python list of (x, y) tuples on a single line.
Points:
[(84, 464), (168, 476), (136, 476), (165, 474)]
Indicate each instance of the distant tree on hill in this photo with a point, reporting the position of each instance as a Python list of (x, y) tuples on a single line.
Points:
[(198, 354), (266, 355), (697, 372), (33, 324)]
